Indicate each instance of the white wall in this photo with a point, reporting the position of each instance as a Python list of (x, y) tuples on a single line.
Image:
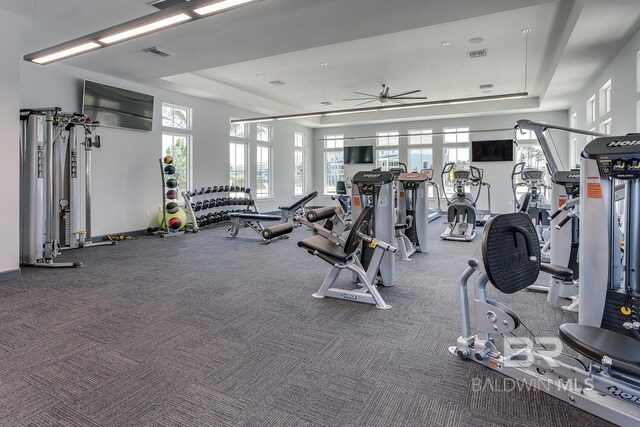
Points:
[(496, 173), (625, 94), (125, 174), (9, 147)]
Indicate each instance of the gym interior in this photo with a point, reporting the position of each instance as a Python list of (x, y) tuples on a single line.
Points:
[(320, 213)]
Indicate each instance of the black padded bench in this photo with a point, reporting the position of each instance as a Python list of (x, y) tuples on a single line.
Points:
[(254, 220), (288, 211)]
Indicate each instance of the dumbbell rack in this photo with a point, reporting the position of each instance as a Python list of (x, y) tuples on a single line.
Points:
[(205, 209)]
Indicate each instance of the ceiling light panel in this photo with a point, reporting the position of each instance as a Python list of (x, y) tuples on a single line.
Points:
[(66, 53), (147, 28), (219, 6)]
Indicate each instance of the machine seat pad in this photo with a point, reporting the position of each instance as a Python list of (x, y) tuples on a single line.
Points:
[(325, 247), (595, 343), (255, 216), (558, 271)]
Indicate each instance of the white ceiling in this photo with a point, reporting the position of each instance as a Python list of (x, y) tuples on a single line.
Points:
[(365, 43)]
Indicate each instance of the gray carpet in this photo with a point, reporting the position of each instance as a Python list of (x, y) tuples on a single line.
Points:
[(200, 330)]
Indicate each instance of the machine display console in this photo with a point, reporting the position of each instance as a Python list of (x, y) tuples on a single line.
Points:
[(531, 175), (461, 175), (627, 167)]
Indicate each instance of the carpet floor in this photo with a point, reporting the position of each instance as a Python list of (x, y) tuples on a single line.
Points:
[(201, 330)]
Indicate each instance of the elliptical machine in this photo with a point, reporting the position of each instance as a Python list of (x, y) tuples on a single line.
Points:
[(539, 205), (461, 214)]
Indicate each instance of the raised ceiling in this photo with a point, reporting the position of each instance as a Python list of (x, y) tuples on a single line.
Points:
[(364, 42)]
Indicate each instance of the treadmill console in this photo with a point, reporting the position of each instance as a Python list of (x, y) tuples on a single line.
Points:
[(411, 181)]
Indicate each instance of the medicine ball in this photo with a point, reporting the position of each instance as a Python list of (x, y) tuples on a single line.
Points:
[(169, 169), (172, 183), (172, 207), (172, 194), (180, 215), (168, 160)]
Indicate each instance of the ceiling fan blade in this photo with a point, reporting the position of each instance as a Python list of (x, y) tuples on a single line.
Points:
[(410, 97), (396, 101), (366, 94), (359, 99), (404, 93), (367, 102)]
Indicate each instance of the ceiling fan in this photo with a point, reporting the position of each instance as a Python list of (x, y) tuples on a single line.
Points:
[(384, 96)]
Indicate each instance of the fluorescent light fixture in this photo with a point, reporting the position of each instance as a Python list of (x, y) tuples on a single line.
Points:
[(171, 16), (388, 107), (147, 28), (218, 6), (65, 53), (409, 135)]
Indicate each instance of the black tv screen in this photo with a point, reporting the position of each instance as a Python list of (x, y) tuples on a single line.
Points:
[(359, 154), (492, 151), (115, 107)]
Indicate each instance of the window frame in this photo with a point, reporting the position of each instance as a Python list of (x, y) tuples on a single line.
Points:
[(591, 109), (246, 161), (421, 134), (457, 132), (334, 145), (299, 149), (245, 126), (389, 138), (186, 133), (269, 133)]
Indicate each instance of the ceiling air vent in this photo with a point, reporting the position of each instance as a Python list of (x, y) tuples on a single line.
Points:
[(487, 86), (277, 82), (158, 52), (165, 4), (477, 53), (326, 103)]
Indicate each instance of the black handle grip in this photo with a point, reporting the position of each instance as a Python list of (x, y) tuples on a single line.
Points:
[(565, 220)]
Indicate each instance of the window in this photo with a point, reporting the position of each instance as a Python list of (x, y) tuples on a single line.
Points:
[(298, 164), (176, 117), (456, 135), (525, 134), (238, 164), (263, 172), (421, 158), (574, 156), (176, 141), (387, 138), (591, 109), (333, 162), (239, 130), (605, 98), (589, 137), (387, 159), (263, 133), (461, 157), (532, 155), (574, 120), (421, 137), (605, 127)]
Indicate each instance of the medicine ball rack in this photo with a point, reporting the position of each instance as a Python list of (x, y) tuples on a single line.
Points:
[(200, 200), (168, 231)]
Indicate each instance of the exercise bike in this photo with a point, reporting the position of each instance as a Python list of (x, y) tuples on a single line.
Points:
[(461, 212)]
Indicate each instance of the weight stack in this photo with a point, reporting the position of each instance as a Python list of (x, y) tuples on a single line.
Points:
[(573, 261), (411, 232), (612, 319), (366, 255)]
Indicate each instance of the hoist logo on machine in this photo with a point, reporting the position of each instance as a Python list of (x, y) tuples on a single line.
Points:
[(573, 176), (371, 175), (623, 143), (615, 391)]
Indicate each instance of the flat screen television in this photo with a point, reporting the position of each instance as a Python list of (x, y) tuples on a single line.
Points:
[(500, 150), (358, 154), (116, 107)]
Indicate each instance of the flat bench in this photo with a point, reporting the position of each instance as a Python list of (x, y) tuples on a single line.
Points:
[(254, 221)]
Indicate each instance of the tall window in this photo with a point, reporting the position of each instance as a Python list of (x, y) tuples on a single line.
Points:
[(333, 162), (605, 127), (176, 141), (420, 158), (605, 98), (421, 137), (387, 157), (458, 134), (532, 155), (298, 164), (238, 173), (591, 109), (461, 157), (263, 172)]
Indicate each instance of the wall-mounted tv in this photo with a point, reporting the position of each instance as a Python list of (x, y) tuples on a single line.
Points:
[(358, 154), (116, 107), (492, 151)]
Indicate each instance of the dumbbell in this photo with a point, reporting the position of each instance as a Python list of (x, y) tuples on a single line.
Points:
[(205, 204), (198, 207), (247, 190), (212, 203), (241, 189), (193, 206), (214, 189), (226, 188)]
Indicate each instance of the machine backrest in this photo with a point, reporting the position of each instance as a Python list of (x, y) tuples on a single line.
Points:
[(360, 225), (341, 188), (511, 252)]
